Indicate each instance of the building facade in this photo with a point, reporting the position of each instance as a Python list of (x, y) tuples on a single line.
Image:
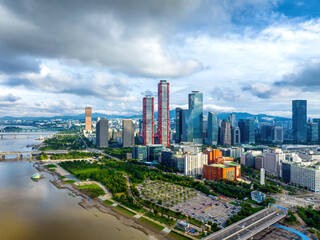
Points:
[(272, 161), (127, 133), (235, 136), (163, 113), (225, 133), (306, 176), (213, 129), (148, 120), (140, 153), (195, 128), (88, 119), (299, 120), (102, 133), (312, 132), (178, 137)]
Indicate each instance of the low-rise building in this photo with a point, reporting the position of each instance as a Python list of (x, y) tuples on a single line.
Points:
[(230, 171), (140, 153), (257, 196)]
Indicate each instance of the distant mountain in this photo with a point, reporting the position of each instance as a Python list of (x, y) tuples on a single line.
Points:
[(239, 115)]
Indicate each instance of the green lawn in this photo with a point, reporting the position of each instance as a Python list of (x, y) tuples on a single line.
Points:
[(161, 219), (121, 209), (107, 202), (69, 181), (154, 225), (50, 166), (94, 190), (87, 170), (177, 236)]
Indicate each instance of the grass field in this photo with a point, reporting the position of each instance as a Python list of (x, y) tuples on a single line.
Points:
[(155, 226), (93, 190), (161, 219), (124, 210), (107, 202), (50, 166), (88, 170), (177, 236), (69, 181)]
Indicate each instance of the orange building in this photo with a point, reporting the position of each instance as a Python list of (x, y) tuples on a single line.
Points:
[(230, 171), (88, 113), (212, 155)]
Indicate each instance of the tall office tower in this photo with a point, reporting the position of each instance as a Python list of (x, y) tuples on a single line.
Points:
[(235, 136), (277, 134), (312, 132), (88, 113), (187, 129), (102, 133), (242, 127), (178, 137), (299, 120), (127, 133), (225, 132), (163, 113), (249, 130), (148, 122), (232, 120), (196, 116), (213, 129), (317, 120), (262, 176)]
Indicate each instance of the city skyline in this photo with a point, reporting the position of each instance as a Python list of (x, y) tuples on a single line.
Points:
[(236, 53)]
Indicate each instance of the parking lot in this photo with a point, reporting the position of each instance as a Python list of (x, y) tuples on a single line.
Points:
[(204, 208)]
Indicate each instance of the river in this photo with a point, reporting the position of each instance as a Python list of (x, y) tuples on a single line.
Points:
[(38, 210)]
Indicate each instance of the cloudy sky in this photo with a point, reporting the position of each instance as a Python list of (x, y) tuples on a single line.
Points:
[(57, 56)]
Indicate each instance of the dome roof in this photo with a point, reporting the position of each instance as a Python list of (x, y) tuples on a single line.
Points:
[(36, 175)]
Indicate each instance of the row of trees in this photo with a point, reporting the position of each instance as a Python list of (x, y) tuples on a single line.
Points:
[(120, 153), (246, 211), (74, 155)]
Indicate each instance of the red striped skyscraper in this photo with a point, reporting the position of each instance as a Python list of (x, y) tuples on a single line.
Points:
[(163, 113), (148, 122)]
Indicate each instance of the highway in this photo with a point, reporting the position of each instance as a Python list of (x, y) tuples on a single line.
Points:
[(249, 226)]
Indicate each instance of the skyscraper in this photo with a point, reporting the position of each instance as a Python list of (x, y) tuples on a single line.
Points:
[(148, 122), (235, 136), (127, 133), (178, 137), (317, 120), (312, 132), (196, 116), (299, 120), (225, 132), (187, 130), (247, 130), (213, 129), (163, 113), (102, 133), (232, 120), (88, 117)]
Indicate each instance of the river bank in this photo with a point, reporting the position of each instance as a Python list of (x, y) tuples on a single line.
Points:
[(98, 203)]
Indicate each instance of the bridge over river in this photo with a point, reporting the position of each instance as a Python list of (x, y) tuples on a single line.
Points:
[(21, 154)]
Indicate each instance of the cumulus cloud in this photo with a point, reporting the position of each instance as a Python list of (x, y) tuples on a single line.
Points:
[(217, 109), (305, 77), (9, 100)]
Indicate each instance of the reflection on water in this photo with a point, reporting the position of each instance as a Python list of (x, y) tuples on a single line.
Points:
[(38, 210)]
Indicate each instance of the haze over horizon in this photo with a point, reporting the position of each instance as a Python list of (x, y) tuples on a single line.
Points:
[(250, 56)]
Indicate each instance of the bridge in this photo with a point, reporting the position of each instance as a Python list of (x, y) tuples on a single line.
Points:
[(12, 135), (21, 154), (250, 226)]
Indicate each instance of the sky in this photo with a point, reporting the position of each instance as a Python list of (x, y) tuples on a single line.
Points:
[(255, 56)]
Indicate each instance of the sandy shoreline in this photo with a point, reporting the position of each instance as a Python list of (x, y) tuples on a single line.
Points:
[(97, 203)]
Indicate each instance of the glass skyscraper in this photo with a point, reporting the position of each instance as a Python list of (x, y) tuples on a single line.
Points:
[(178, 136), (299, 120), (163, 113), (196, 116), (247, 130), (148, 122), (213, 129)]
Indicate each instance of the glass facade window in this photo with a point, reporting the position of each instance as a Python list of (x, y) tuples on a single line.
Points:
[(148, 122), (196, 116), (213, 128), (163, 113), (299, 120)]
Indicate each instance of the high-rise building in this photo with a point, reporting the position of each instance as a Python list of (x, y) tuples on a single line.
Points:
[(140, 153), (163, 113), (277, 134), (312, 132), (272, 161), (299, 120), (187, 130), (306, 176), (195, 126), (242, 127), (262, 176), (148, 122), (249, 131), (127, 133), (225, 132), (317, 120), (178, 137), (232, 120), (235, 136), (102, 133), (213, 129), (88, 118)]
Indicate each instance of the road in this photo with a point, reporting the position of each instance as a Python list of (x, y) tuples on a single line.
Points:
[(249, 226)]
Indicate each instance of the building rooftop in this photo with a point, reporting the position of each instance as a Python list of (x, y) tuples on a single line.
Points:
[(217, 165)]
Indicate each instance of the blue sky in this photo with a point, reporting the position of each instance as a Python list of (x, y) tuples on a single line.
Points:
[(245, 55)]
